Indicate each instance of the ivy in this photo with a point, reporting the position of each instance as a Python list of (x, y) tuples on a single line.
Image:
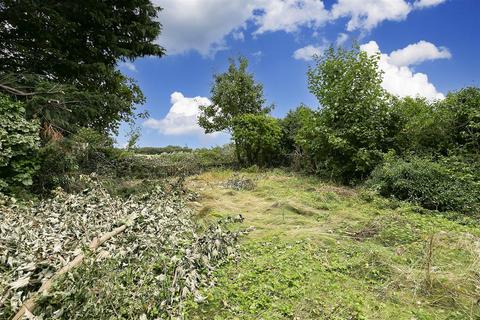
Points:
[(19, 142)]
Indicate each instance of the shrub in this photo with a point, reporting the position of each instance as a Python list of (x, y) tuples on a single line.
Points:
[(257, 139), (86, 151), (160, 150), (293, 122), (440, 185), (354, 127), (173, 164), (19, 141)]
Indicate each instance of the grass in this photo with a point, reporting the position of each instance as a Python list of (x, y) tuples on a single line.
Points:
[(320, 251)]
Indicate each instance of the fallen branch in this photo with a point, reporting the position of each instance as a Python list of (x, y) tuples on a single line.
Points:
[(30, 305)]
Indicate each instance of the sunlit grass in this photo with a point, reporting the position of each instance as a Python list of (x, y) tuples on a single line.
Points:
[(328, 252)]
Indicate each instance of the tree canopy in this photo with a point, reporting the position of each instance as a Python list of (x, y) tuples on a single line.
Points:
[(233, 93), (61, 56)]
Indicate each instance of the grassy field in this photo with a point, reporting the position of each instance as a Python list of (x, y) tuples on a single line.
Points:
[(325, 252)]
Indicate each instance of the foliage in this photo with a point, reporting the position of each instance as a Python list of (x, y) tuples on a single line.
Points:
[(19, 143), (293, 122), (133, 137), (423, 128), (85, 152), (161, 258), (160, 150), (173, 164), (75, 42), (464, 108), (233, 93), (60, 57), (353, 128), (257, 139), (446, 184)]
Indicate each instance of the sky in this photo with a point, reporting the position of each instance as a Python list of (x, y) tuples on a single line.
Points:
[(428, 48)]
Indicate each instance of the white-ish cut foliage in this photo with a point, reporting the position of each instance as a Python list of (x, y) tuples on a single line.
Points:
[(38, 239)]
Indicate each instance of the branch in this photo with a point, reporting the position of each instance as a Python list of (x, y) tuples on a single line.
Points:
[(30, 305), (18, 92)]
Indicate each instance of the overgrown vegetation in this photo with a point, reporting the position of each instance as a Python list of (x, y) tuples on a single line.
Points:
[(92, 231)]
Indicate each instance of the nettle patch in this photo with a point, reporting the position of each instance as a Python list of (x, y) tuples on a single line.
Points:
[(160, 257)]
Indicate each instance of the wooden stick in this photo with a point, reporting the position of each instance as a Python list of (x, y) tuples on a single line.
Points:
[(29, 305)]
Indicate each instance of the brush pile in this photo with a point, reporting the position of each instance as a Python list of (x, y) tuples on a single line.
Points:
[(239, 183), (147, 271)]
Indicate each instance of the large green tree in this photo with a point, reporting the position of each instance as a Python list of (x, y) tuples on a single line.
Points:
[(353, 128), (233, 93), (60, 57)]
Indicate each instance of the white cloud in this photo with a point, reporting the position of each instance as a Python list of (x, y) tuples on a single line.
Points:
[(203, 25), (367, 14), (401, 80), (289, 15), (417, 53), (181, 118), (200, 25), (341, 39), (128, 65), (427, 3), (308, 53), (238, 35)]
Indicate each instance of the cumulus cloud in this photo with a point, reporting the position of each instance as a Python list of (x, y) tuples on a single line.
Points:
[(181, 118), (367, 14), (200, 25), (289, 15), (417, 53), (308, 53), (427, 3), (402, 80), (203, 25)]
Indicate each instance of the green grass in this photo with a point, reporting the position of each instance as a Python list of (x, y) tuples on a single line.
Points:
[(327, 252)]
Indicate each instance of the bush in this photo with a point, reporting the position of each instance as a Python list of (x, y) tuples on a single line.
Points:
[(173, 164), (354, 128), (19, 141), (85, 152), (160, 150), (293, 122), (440, 185), (257, 139)]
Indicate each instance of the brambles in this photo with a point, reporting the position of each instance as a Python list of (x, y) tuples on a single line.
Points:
[(440, 185)]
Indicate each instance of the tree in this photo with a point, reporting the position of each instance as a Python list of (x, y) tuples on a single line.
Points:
[(292, 124), (422, 127), (233, 93), (463, 109), (257, 139), (19, 142), (60, 57), (353, 128)]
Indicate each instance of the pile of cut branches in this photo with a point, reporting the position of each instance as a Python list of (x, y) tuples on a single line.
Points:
[(154, 259)]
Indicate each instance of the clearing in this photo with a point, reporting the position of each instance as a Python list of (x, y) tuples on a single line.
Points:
[(326, 252)]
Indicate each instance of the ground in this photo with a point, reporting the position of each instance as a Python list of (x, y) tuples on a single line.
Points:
[(320, 251)]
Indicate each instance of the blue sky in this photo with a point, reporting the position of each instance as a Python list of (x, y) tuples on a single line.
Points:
[(429, 47)]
